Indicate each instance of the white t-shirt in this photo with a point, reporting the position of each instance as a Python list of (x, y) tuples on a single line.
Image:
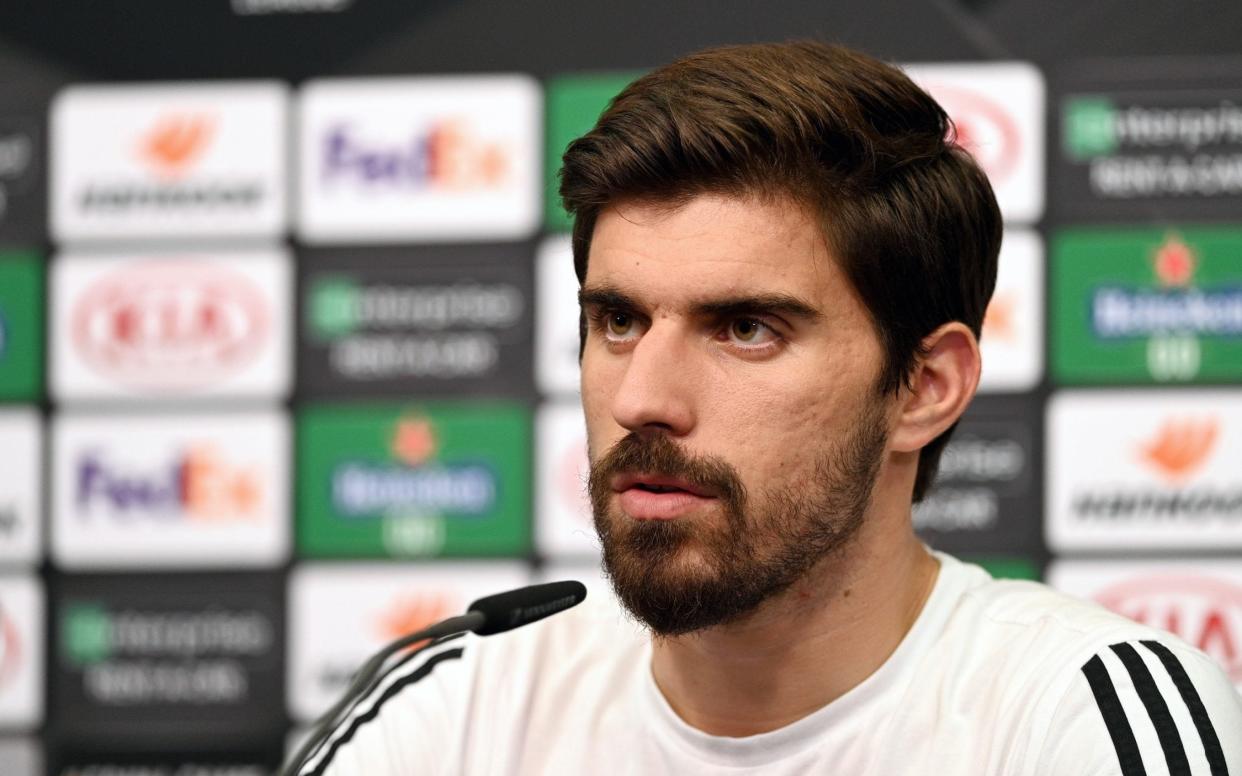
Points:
[(995, 677)]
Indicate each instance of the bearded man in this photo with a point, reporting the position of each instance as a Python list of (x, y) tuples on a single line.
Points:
[(785, 261)]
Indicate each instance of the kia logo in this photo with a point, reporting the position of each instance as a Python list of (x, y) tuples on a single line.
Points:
[(1204, 611), (170, 326), (983, 128)]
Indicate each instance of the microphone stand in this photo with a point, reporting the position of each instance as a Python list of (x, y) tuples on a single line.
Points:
[(365, 675), (491, 614)]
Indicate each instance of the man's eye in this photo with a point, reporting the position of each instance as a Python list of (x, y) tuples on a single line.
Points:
[(620, 324), (749, 331)]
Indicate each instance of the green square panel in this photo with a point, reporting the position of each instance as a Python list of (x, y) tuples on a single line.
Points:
[(426, 480), (1146, 306), (21, 326), (574, 103)]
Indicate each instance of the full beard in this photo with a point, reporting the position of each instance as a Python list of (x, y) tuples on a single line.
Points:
[(690, 573)]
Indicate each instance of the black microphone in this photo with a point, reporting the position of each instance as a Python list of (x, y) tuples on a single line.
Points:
[(515, 608), (490, 614)]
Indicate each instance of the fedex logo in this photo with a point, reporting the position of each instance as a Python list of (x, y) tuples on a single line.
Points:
[(446, 155), (161, 491), (414, 159), (199, 484)]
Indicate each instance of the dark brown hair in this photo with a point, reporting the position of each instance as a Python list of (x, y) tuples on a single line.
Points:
[(908, 214)]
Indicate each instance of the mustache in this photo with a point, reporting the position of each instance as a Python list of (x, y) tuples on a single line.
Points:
[(657, 454)]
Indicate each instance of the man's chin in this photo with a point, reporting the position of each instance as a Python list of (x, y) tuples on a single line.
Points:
[(680, 593), (671, 608)]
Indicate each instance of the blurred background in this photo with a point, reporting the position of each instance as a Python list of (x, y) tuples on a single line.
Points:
[(288, 340)]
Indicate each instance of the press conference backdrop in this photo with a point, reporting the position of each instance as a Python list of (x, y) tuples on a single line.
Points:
[(288, 335)]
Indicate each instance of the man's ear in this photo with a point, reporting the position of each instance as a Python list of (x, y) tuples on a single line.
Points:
[(943, 383)]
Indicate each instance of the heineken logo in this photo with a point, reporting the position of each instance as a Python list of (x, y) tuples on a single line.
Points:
[(1175, 263), (1173, 306), (439, 479), (413, 484)]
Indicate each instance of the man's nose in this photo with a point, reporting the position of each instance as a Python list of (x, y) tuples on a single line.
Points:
[(657, 389)]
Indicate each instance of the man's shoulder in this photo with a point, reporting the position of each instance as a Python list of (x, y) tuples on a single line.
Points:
[(1040, 618), (1050, 634), (1088, 685)]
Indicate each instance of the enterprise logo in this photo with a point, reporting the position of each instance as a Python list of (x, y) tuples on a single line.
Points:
[(171, 160), (1144, 470), (169, 150)]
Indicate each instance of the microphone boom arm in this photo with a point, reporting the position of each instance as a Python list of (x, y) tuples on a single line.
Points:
[(365, 675)]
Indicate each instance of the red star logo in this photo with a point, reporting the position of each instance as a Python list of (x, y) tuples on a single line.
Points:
[(414, 441), (1175, 263)]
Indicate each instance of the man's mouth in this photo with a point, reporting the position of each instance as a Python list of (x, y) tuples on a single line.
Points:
[(658, 497)]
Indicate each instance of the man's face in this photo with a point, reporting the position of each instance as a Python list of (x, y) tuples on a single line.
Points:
[(734, 427)]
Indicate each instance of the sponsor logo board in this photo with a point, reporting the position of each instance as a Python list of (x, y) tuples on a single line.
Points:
[(1165, 143), (21, 652), (21, 486), (998, 111), (21, 326), (1012, 345), (449, 320), (340, 614), (563, 524), (413, 480), (168, 662), (1144, 470), (985, 497), (575, 103), (179, 161), (1147, 305), (170, 491), (412, 159), (1199, 601), (171, 325), (556, 319), (22, 181)]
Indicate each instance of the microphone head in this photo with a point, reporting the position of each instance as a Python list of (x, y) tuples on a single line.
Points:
[(515, 608)]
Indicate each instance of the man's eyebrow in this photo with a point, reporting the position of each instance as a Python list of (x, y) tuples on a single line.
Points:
[(609, 297), (776, 304), (605, 297)]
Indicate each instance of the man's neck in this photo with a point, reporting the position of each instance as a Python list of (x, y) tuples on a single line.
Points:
[(802, 649)]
